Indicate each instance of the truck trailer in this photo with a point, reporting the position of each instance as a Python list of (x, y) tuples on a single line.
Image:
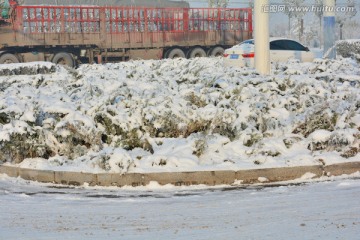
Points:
[(73, 34)]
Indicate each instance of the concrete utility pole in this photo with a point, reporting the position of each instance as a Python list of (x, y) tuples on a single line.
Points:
[(329, 29), (262, 48)]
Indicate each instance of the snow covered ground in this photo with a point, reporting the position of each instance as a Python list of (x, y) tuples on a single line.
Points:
[(320, 210), (178, 115)]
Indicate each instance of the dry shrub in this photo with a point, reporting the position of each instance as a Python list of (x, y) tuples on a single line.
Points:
[(315, 122)]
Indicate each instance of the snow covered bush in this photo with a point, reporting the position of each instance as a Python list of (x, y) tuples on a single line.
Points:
[(315, 121), (28, 69), (179, 115), (37, 120), (349, 48), (19, 141), (114, 160)]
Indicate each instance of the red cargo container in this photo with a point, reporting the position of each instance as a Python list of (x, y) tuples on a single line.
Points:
[(74, 34)]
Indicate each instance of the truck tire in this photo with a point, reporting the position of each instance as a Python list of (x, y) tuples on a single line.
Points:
[(175, 53), (63, 58), (8, 58), (216, 52), (197, 52)]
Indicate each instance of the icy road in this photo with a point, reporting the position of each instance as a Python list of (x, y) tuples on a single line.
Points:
[(322, 210)]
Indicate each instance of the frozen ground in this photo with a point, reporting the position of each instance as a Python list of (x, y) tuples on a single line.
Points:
[(178, 115), (318, 210)]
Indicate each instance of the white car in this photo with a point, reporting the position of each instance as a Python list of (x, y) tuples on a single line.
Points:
[(281, 50)]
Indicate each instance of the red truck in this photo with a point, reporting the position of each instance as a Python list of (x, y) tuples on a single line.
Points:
[(78, 34)]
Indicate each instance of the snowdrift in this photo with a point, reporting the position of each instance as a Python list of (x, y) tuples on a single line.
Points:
[(178, 115)]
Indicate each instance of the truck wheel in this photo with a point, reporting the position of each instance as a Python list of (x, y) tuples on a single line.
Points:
[(197, 52), (166, 53), (8, 58), (175, 53), (63, 58), (217, 52)]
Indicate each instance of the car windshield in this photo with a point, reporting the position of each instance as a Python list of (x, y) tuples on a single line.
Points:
[(280, 44), (250, 41)]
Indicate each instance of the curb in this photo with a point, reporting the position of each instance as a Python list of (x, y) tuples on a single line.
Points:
[(210, 178)]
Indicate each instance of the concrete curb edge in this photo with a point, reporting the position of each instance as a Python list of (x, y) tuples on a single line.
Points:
[(210, 178)]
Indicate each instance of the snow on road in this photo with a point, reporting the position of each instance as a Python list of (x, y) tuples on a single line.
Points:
[(323, 210)]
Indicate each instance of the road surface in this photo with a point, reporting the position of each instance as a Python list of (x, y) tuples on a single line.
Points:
[(318, 210)]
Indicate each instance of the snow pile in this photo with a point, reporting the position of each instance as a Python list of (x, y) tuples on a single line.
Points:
[(180, 115)]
